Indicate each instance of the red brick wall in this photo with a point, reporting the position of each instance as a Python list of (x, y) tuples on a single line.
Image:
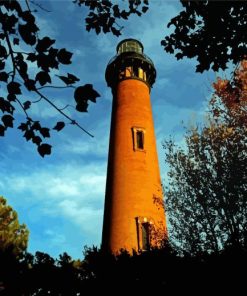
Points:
[(133, 176)]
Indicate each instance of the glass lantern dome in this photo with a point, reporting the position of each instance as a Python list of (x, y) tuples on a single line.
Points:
[(130, 62), (130, 45)]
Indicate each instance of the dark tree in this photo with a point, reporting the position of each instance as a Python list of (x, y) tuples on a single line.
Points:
[(100, 272), (214, 32), (206, 198), (13, 245)]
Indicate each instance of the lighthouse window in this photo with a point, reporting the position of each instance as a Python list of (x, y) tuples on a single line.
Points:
[(128, 71), (144, 76), (145, 236), (140, 73), (138, 138)]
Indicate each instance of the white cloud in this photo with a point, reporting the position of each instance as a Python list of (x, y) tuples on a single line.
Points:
[(72, 193), (59, 182), (96, 146), (47, 26), (54, 237), (105, 45), (87, 218)]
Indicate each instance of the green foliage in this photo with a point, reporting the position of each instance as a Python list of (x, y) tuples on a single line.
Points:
[(13, 236), (214, 32), (206, 198)]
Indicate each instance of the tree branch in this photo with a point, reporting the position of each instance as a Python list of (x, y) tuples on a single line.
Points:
[(11, 54), (28, 7), (37, 89), (72, 121), (40, 6), (66, 107), (33, 102), (19, 102), (51, 86)]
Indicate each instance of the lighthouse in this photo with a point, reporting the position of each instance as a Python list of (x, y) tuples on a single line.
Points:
[(134, 216)]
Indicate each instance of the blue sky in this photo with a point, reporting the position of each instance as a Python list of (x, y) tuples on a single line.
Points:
[(61, 197)]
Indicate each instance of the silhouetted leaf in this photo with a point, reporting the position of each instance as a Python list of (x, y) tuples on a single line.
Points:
[(64, 56), (179, 55), (73, 77), (2, 130), (23, 126), (6, 106), (11, 97), (9, 23), (36, 140), (59, 126), (43, 77), (70, 79), (4, 76), (45, 132), (22, 66), (28, 17), (29, 134), (7, 120), (36, 126), (26, 34), (32, 57), (85, 92), (124, 14), (137, 12), (115, 32), (2, 104), (144, 9), (2, 64), (3, 52), (44, 149), (65, 79), (14, 88), (116, 11), (26, 105), (30, 84), (82, 106), (44, 44), (16, 41)]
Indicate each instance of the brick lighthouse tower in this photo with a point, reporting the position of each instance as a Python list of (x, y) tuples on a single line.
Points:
[(134, 217)]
